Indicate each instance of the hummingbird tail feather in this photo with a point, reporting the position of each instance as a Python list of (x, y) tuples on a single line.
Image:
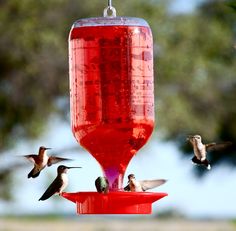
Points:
[(206, 164), (45, 196), (32, 174)]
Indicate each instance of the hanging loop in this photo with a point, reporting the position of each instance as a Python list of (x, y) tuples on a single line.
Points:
[(109, 11)]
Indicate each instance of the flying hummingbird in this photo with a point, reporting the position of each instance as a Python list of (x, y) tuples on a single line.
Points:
[(42, 160), (59, 184), (102, 185), (142, 186), (200, 150)]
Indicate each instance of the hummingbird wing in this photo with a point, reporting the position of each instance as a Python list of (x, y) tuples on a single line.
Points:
[(127, 188), (150, 184), (31, 157), (52, 189), (54, 159), (219, 146), (98, 184)]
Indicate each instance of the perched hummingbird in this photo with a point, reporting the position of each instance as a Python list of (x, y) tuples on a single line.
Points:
[(142, 186), (102, 184), (42, 160), (200, 150), (59, 184)]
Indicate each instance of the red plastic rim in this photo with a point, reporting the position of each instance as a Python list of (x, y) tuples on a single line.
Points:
[(114, 202)]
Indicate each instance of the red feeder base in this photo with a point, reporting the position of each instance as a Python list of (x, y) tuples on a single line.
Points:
[(114, 202)]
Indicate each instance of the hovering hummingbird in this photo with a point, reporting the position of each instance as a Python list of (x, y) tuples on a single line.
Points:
[(42, 160), (142, 186), (200, 150), (102, 185), (59, 184)]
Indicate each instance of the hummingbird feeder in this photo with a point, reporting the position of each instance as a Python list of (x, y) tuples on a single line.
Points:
[(112, 104)]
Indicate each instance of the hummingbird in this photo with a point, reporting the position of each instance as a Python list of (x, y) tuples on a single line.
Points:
[(200, 150), (102, 185), (142, 186), (59, 184), (42, 160)]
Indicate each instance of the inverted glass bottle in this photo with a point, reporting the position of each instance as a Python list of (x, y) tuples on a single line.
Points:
[(111, 90)]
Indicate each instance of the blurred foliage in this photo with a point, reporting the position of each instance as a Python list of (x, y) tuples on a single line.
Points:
[(195, 68), (232, 3)]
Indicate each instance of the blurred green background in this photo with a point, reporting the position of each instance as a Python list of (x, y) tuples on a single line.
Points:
[(195, 67)]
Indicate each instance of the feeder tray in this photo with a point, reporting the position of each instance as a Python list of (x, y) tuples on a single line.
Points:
[(114, 202)]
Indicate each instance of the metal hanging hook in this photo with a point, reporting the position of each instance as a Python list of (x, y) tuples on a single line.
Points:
[(109, 11)]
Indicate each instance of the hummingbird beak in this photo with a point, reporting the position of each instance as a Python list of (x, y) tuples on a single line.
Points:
[(73, 167), (48, 148)]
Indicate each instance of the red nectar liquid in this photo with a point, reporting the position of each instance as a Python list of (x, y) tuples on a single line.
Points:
[(111, 93)]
